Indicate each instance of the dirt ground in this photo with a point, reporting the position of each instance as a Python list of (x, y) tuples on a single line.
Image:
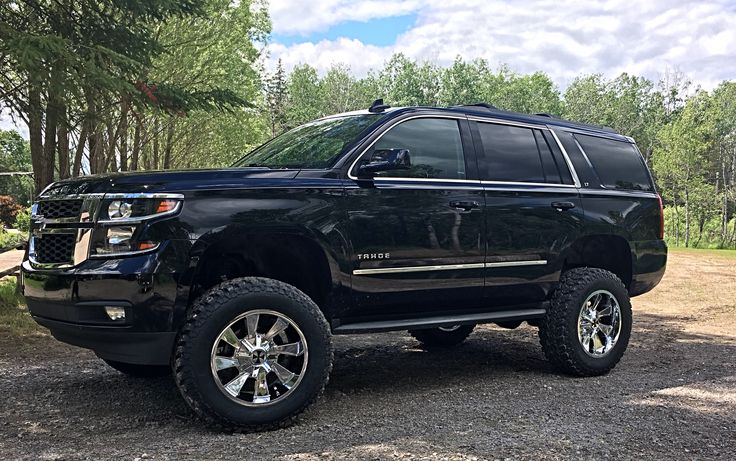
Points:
[(673, 396)]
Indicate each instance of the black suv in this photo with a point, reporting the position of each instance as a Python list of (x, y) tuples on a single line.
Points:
[(430, 220)]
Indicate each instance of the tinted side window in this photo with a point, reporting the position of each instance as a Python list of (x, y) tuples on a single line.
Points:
[(434, 145), (516, 154), (618, 164), (558, 158), (551, 171)]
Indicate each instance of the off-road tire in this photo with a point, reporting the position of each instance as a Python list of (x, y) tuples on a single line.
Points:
[(558, 328), (139, 371), (212, 312), (435, 338)]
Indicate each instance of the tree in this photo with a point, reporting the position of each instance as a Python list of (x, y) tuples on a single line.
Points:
[(70, 65), (680, 162), (277, 95), (403, 82), (15, 156), (305, 101)]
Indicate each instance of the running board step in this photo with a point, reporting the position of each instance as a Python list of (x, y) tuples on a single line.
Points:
[(440, 321)]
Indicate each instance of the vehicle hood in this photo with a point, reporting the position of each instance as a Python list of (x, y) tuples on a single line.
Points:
[(172, 181)]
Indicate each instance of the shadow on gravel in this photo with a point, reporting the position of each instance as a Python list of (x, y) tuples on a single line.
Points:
[(493, 394)]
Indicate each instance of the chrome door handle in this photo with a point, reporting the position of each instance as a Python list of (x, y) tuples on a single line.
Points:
[(464, 205), (562, 206)]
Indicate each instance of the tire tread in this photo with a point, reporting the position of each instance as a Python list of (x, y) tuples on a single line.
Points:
[(557, 342), (200, 314)]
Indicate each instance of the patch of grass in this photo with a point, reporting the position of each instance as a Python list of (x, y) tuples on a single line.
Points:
[(15, 320), (703, 251), (11, 240)]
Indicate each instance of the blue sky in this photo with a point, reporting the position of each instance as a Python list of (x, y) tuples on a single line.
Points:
[(377, 32)]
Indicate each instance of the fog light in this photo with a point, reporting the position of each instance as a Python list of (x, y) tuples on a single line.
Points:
[(115, 312)]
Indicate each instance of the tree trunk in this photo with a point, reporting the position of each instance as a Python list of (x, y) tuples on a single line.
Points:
[(49, 143), (169, 144), (136, 146), (79, 150), (154, 159), (35, 128), (677, 216), (124, 136), (111, 163), (62, 135), (687, 217), (93, 136)]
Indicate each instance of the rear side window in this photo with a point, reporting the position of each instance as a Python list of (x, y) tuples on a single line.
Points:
[(618, 164), (517, 154), (434, 145)]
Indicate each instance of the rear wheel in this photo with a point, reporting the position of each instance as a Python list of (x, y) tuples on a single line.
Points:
[(443, 336), (587, 327), (139, 371), (253, 355)]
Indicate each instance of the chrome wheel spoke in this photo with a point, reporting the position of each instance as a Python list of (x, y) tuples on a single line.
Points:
[(261, 393), (278, 326), (233, 387), (596, 302), (296, 349), (229, 337), (586, 342), (286, 377), (606, 329), (251, 323), (605, 312), (222, 363)]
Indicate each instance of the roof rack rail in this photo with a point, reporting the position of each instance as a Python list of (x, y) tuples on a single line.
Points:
[(378, 106), (479, 104), (545, 114)]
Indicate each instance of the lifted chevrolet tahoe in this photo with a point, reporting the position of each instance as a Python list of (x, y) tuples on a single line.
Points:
[(430, 220)]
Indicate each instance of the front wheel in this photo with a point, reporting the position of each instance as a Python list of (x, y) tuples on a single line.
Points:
[(253, 355), (587, 327)]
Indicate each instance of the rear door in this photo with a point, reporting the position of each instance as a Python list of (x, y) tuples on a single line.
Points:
[(417, 235), (533, 209)]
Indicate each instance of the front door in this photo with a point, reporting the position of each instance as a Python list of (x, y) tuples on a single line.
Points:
[(417, 234)]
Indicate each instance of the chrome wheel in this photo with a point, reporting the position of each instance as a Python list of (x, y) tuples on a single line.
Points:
[(599, 323), (259, 358)]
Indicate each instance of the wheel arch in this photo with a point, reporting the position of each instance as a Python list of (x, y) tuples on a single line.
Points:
[(293, 256), (604, 251)]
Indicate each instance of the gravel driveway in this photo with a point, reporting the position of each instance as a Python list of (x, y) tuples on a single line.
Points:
[(673, 396)]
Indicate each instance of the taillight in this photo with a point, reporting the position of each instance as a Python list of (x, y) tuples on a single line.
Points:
[(661, 217)]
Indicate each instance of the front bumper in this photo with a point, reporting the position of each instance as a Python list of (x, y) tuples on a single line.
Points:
[(71, 304), (115, 343)]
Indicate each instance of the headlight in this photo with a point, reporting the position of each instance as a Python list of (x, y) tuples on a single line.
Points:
[(109, 241), (120, 227), (119, 209), (137, 209)]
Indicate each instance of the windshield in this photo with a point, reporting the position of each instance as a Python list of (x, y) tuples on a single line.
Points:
[(313, 145)]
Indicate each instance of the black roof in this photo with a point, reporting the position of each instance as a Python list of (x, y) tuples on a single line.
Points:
[(486, 110)]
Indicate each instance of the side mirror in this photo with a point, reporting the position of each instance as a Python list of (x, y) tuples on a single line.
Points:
[(385, 160)]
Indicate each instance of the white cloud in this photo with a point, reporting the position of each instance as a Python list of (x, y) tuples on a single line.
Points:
[(305, 16), (562, 38)]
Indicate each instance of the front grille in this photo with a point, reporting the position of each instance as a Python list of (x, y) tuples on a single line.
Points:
[(55, 248), (55, 209)]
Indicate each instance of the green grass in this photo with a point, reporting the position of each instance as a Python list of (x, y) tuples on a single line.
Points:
[(14, 317), (704, 251)]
